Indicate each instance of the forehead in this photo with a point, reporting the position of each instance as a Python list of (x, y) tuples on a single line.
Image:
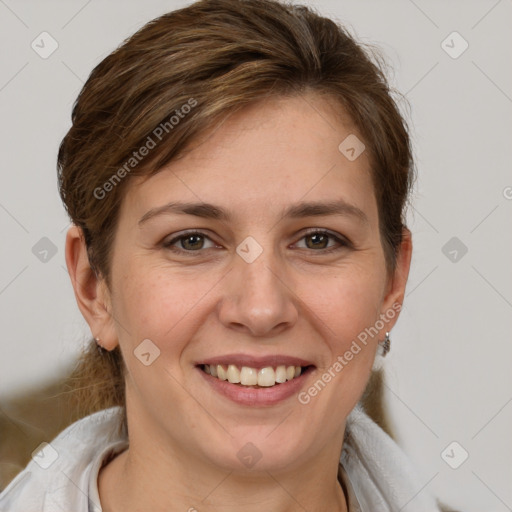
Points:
[(267, 155)]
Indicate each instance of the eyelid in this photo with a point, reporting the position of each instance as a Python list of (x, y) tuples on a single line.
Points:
[(182, 234), (342, 241)]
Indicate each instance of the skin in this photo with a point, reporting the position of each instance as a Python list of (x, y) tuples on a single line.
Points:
[(294, 299)]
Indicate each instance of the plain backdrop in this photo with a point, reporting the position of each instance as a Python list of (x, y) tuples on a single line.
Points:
[(448, 373)]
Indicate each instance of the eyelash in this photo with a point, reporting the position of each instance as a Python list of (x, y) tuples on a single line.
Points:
[(343, 242)]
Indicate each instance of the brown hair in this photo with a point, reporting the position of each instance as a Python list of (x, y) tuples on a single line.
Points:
[(176, 78)]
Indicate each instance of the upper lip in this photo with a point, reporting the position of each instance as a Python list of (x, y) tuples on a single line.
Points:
[(257, 362)]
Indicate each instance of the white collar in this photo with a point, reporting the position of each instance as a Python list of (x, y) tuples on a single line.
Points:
[(377, 473), (381, 475)]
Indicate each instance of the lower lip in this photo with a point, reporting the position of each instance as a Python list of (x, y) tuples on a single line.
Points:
[(256, 396)]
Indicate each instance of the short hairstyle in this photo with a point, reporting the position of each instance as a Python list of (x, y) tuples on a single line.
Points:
[(183, 73)]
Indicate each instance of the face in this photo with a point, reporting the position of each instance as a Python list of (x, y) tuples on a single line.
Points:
[(256, 284)]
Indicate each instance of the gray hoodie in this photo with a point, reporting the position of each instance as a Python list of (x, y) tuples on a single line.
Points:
[(62, 476)]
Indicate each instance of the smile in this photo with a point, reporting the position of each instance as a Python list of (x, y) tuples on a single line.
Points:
[(247, 376), (256, 380)]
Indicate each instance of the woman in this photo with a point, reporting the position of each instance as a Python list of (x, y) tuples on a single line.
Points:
[(236, 174)]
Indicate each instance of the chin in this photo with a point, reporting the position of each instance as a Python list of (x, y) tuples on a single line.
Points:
[(253, 449)]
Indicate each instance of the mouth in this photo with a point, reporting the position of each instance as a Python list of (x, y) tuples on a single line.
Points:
[(256, 381), (250, 377)]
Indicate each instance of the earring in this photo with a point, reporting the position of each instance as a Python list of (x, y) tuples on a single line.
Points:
[(385, 345), (99, 345)]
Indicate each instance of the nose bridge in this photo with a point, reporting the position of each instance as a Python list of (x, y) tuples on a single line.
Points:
[(259, 278), (259, 301)]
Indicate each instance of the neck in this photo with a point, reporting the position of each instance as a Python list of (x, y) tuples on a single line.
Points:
[(148, 479)]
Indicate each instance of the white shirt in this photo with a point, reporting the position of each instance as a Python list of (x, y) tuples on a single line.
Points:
[(375, 473)]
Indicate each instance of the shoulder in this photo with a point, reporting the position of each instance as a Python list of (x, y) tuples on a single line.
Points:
[(382, 476), (59, 472)]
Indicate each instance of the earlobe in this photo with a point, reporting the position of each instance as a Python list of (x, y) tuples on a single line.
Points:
[(91, 292)]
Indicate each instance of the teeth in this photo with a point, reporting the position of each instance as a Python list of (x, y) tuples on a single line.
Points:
[(222, 374), (233, 374), (247, 376), (281, 374), (266, 377)]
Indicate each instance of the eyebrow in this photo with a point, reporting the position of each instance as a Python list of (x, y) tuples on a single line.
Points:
[(300, 210)]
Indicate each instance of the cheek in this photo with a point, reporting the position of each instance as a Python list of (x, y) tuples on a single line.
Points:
[(159, 305), (164, 307), (348, 303), (348, 308)]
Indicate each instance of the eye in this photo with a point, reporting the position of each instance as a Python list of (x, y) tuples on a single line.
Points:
[(191, 241), (318, 240)]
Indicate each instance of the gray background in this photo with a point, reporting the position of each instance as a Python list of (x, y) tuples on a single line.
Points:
[(448, 372)]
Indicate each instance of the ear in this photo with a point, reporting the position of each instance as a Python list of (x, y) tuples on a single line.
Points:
[(91, 293), (392, 303)]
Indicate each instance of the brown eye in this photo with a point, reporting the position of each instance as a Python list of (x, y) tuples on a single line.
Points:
[(318, 241), (191, 242), (323, 241), (188, 242)]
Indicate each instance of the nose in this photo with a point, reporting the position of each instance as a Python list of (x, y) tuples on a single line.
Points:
[(258, 299)]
